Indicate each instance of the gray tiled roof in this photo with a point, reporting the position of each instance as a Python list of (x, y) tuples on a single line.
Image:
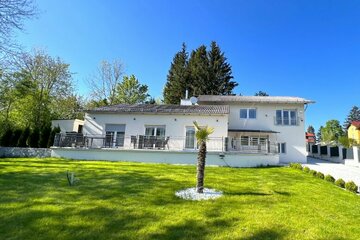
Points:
[(252, 99), (162, 109)]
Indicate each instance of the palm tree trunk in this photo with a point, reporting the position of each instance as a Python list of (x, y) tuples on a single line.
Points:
[(201, 167)]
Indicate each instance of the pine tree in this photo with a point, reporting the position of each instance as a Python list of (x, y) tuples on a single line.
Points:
[(311, 129), (354, 115), (206, 72), (199, 72), (178, 78), (261, 93), (220, 73), (318, 135)]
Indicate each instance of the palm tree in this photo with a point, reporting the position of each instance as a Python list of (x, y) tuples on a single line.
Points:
[(202, 135)]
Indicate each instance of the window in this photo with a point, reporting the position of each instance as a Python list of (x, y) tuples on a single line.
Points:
[(115, 135), (244, 140), (252, 113), (254, 141), (158, 131), (282, 147), (286, 117), (190, 138), (248, 113), (243, 113)]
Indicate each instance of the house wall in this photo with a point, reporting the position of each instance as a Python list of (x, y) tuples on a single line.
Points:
[(71, 125), (354, 133), (171, 157), (175, 125), (293, 136)]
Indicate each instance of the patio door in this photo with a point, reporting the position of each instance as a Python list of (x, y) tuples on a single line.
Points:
[(115, 135), (190, 138)]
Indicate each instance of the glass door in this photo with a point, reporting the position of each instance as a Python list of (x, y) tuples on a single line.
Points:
[(190, 138)]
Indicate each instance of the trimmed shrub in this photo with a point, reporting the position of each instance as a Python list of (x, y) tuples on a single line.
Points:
[(329, 178), (313, 172), (296, 166), (13, 141), (24, 137), (351, 186), (340, 183), (44, 137), (320, 175), (6, 137), (306, 169), (54, 131), (34, 138)]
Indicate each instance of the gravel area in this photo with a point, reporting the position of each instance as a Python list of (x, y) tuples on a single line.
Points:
[(191, 194)]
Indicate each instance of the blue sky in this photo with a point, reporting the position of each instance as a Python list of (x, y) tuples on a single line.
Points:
[(308, 49)]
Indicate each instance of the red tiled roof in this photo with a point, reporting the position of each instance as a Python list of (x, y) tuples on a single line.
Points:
[(310, 134), (356, 124)]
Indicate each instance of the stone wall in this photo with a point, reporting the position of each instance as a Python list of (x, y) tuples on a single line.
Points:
[(24, 152)]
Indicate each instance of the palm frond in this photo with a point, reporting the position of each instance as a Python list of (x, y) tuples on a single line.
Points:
[(202, 133)]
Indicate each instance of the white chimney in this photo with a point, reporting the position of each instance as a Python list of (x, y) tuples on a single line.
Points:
[(186, 94)]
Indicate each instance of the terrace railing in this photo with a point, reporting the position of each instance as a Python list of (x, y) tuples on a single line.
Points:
[(170, 143)]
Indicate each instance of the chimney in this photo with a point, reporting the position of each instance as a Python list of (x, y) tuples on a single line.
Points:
[(186, 94)]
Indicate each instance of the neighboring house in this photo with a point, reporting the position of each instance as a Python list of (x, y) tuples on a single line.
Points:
[(68, 125), (354, 131), (248, 130), (310, 137)]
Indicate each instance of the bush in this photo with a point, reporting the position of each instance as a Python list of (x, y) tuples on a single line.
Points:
[(313, 172), (306, 169), (24, 137), (13, 141), (5, 138), (351, 186), (44, 137), (296, 166), (320, 175), (54, 131), (329, 178), (34, 138), (340, 183)]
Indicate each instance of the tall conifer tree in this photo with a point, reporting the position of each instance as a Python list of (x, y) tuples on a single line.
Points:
[(354, 115), (178, 78)]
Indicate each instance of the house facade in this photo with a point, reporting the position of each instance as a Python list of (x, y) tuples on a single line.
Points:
[(354, 131), (248, 131), (253, 120)]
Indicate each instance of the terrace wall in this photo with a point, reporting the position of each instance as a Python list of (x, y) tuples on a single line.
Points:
[(171, 157), (24, 152)]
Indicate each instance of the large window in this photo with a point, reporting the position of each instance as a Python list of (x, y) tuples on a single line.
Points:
[(190, 138), (115, 135), (158, 131), (286, 117), (248, 113)]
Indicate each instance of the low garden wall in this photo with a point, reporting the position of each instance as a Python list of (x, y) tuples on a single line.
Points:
[(172, 157), (24, 152)]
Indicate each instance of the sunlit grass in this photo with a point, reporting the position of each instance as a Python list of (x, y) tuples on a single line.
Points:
[(119, 200)]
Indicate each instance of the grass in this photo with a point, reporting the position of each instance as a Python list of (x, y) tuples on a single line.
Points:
[(136, 201)]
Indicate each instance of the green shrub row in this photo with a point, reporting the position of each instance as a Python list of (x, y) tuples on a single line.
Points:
[(350, 186), (26, 137)]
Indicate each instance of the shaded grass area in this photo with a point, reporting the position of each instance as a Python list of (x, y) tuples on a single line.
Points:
[(122, 200)]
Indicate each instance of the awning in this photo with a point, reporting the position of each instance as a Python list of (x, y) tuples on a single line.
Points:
[(252, 131)]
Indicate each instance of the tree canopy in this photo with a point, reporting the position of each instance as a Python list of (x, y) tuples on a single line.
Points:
[(331, 132), (205, 72), (130, 91), (354, 115)]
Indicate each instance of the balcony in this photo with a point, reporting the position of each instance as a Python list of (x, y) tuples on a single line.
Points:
[(159, 143), (286, 121)]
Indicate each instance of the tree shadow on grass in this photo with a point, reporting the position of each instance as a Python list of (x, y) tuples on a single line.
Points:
[(267, 234)]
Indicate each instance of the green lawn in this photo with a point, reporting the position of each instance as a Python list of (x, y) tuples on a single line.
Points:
[(136, 201)]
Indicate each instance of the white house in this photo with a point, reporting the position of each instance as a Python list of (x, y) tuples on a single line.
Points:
[(68, 125), (253, 120), (249, 131)]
